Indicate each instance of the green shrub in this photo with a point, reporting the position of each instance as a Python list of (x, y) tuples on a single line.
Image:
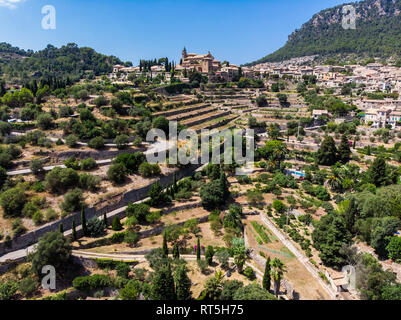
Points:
[(203, 266), (8, 290), (73, 201), (96, 143), (148, 170), (153, 217), (37, 218), (60, 179), (91, 283), (36, 166), (249, 273), (130, 161), (71, 140), (122, 141), (29, 209), (209, 255), (89, 182), (95, 227), (123, 269), (116, 224), (51, 214), (117, 173), (139, 211), (56, 297), (131, 238), (118, 237), (38, 187), (88, 164), (72, 163), (27, 287), (13, 201), (18, 227)]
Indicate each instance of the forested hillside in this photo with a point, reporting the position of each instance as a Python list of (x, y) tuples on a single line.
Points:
[(69, 61), (377, 33)]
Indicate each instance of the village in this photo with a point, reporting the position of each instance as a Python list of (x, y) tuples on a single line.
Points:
[(315, 205)]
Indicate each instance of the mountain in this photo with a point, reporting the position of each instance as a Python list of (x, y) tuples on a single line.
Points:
[(377, 33), (69, 61)]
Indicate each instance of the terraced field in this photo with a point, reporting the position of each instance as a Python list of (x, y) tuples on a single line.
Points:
[(221, 123), (177, 111), (190, 123), (192, 114)]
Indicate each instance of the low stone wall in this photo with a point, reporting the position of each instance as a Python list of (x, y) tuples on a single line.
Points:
[(97, 155), (126, 198), (194, 114), (157, 231), (175, 112), (210, 118), (217, 125), (142, 234), (4, 267)]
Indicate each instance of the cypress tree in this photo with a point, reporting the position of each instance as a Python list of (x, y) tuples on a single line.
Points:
[(74, 231), (209, 255), (165, 247), (61, 228), (267, 276), (176, 251), (327, 153), (175, 187), (116, 224), (377, 172), (344, 151), (198, 250), (83, 222), (224, 184), (163, 287), (182, 284), (105, 219)]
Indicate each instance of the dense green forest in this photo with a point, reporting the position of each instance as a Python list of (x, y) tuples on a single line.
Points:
[(69, 61), (377, 33)]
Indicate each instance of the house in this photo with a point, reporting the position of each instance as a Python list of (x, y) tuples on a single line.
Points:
[(378, 117), (320, 117), (337, 280)]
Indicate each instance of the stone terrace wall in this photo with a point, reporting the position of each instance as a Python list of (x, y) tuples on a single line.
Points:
[(180, 110), (130, 196), (97, 155), (210, 118)]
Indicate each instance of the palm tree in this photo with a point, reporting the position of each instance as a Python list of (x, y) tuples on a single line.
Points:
[(214, 285), (277, 272)]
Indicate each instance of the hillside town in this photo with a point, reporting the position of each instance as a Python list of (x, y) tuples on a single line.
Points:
[(380, 112), (196, 181)]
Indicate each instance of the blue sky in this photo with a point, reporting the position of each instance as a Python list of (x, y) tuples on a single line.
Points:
[(239, 31)]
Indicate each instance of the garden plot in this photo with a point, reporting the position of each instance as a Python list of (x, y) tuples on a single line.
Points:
[(304, 283)]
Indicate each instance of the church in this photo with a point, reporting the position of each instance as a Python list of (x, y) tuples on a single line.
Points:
[(204, 63)]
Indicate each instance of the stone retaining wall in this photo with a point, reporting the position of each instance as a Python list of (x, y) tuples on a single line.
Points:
[(97, 155), (126, 198), (142, 234), (193, 114), (174, 112), (210, 118)]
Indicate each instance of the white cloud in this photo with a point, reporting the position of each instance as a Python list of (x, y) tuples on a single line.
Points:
[(11, 4)]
